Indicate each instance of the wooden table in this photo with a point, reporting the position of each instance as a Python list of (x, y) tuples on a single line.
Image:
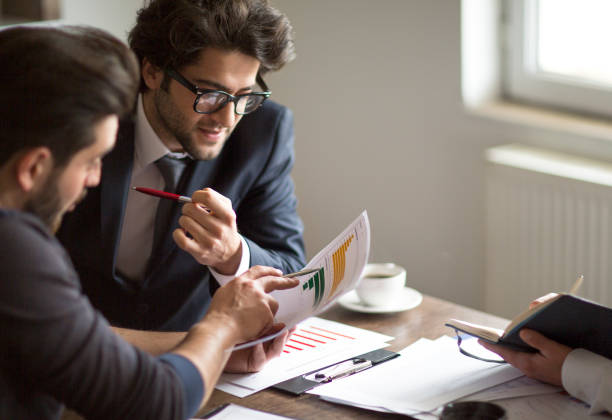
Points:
[(426, 320)]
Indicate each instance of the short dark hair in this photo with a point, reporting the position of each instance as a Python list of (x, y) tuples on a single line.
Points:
[(172, 33), (56, 83)]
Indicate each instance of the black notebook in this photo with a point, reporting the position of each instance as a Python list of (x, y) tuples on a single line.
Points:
[(566, 318)]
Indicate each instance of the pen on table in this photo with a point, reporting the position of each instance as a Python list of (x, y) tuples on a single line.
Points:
[(163, 194), (301, 272)]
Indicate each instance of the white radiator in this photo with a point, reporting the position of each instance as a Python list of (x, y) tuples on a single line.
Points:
[(549, 219)]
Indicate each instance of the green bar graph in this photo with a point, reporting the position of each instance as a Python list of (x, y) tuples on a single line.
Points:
[(316, 282)]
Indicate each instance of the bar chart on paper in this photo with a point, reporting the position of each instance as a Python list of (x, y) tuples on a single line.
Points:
[(310, 336), (315, 343), (339, 264), (339, 261), (317, 284), (337, 269)]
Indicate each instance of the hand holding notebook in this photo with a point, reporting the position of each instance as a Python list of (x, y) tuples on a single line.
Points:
[(564, 318)]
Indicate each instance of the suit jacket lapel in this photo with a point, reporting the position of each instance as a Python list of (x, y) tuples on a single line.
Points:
[(114, 187)]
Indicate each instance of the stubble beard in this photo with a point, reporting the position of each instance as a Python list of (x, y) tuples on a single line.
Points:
[(175, 126)]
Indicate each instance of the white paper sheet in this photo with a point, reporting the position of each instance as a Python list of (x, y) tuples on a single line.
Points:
[(237, 412), (519, 387), (341, 263), (315, 343), (427, 375), (340, 266)]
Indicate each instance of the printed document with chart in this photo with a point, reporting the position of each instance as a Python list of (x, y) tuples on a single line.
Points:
[(316, 342), (340, 266)]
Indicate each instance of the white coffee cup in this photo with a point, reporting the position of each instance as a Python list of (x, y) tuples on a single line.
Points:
[(381, 284)]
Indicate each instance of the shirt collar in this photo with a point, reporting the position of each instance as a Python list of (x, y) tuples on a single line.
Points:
[(148, 147)]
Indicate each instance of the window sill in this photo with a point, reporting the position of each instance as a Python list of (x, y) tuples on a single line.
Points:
[(532, 116)]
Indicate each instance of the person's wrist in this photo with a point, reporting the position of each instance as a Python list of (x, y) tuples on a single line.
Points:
[(222, 324), (230, 266)]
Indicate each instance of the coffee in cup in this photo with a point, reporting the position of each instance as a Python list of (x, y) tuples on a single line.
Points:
[(381, 284)]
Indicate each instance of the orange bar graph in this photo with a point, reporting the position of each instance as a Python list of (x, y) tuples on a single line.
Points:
[(339, 261)]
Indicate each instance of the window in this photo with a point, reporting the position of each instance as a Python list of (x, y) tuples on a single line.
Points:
[(558, 53)]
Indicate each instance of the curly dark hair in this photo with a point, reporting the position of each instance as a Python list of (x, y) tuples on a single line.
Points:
[(171, 33), (56, 83)]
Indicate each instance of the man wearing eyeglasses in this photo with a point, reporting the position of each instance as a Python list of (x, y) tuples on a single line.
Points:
[(202, 128)]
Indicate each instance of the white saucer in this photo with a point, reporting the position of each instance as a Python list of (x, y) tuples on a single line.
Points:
[(409, 299)]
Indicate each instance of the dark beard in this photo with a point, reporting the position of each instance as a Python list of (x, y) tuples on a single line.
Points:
[(47, 204)]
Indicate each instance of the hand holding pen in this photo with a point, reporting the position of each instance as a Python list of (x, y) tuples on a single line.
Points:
[(208, 229), (184, 199)]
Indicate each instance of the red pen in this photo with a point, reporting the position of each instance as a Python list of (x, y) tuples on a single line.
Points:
[(163, 194)]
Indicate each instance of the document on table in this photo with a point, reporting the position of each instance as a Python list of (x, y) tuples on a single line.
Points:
[(427, 375), (237, 412), (519, 387), (314, 344)]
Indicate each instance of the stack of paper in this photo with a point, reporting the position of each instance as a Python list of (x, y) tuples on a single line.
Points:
[(519, 387), (427, 375), (316, 343)]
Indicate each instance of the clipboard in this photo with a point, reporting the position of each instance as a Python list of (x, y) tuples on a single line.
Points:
[(354, 365)]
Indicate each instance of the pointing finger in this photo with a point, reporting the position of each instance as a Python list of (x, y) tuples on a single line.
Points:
[(278, 283)]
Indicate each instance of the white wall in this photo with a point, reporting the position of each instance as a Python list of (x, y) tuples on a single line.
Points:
[(380, 126), (376, 92), (116, 16)]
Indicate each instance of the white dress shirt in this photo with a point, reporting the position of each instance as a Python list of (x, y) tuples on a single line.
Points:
[(588, 376), (136, 240)]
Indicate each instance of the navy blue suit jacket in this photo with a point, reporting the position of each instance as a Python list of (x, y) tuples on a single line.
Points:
[(252, 170)]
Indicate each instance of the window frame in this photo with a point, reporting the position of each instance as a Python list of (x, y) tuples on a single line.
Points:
[(521, 81)]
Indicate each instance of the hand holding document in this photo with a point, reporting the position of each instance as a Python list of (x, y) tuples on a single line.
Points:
[(334, 271), (339, 264)]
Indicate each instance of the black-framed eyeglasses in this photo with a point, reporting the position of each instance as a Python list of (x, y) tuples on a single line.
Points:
[(473, 356), (208, 101)]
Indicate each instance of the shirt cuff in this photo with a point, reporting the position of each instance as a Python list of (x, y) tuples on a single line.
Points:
[(245, 261), (193, 384), (584, 374)]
